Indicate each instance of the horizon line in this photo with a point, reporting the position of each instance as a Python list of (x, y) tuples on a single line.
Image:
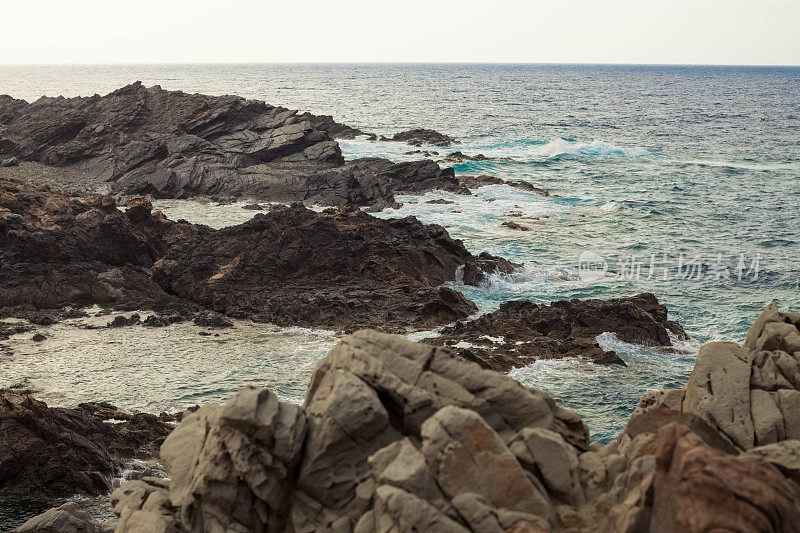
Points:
[(570, 63)]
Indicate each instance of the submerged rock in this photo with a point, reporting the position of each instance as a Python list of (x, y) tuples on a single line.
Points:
[(520, 332), (139, 140), (69, 518), (473, 182), (48, 452), (340, 269), (420, 136)]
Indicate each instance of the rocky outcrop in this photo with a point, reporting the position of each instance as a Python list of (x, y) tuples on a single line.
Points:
[(420, 136), (334, 129), (339, 269), (57, 251), (399, 436), (520, 332), (390, 437), (53, 452), (473, 182), (138, 140)]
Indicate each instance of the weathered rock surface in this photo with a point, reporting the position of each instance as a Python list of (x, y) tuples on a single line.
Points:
[(420, 136), (138, 140), (520, 332), (339, 269), (53, 452), (392, 435), (57, 251), (334, 129), (400, 436)]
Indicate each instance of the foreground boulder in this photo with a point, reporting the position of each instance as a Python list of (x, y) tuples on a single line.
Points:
[(340, 269), (400, 436), (520, 332), (391, 436), (139, 140), (48, 452)]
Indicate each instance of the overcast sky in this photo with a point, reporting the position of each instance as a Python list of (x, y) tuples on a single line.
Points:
[(581, 31)]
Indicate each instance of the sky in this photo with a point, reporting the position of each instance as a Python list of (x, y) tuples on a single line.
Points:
[(737, 32)]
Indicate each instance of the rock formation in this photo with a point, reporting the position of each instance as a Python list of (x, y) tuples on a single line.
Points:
[(57, 251), (520, 332), (338, 269), (473, 182), (53, 452), (341, 269), (419, 136), (139, 140), (400, 436)]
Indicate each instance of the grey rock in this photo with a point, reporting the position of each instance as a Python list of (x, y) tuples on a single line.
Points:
[(719, 391)]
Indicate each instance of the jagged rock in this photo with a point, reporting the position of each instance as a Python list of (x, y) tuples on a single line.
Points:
[(376, 446), (69, 518), (139, 140), (339, 269), (334, 129), (52, 452), (57, 251), (420, 136), (520, 332)]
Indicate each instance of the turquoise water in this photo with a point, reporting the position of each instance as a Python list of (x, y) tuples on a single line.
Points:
[(646, 161)]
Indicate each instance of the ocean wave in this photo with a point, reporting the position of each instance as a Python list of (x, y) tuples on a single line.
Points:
[(592, 149)]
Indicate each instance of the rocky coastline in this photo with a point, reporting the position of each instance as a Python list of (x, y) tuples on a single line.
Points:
[(401, 436), (393, 435)]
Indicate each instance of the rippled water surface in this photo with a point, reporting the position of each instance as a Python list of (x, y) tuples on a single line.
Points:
[(645, 161)]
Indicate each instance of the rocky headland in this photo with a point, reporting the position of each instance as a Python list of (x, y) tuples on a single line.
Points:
[(400, 436), (169, 144)]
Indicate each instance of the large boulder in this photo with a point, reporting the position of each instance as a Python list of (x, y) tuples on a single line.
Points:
[(139, 140), (381, 441)]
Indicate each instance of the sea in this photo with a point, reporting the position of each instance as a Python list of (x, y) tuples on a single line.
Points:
[(683, 181)]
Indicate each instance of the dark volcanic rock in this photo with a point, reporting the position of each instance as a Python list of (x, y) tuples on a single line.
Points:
[(57, 251), (521, 332), (338, 269), (52, 452), (139, 140), (420, 136), (473, 182)]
